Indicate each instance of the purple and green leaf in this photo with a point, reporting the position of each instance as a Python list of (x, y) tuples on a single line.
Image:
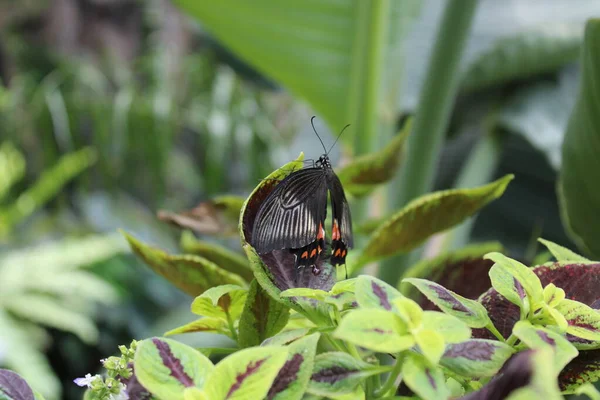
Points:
[(583, 321), (286, 337), (262, 317), (192, 274), (225, 302), (428, 215), (469, 311), (376, 330), (247, 374), (166, 367), (292, 380), (337, 373), (511, 277), (209, 325), (374, 293), (422, 378), (476, 358)]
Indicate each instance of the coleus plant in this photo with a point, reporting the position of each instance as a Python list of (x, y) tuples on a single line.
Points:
[(490, 327)]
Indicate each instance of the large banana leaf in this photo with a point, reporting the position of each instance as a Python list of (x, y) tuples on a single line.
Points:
[(579, 186), (335, 54)]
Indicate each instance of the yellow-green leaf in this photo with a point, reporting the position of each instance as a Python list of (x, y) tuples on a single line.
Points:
[(216, 325), (192, 274), (426, 216)]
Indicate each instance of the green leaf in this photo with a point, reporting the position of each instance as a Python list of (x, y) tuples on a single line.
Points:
[(374, 293), (247, 374), (428, 215), (579, 193), (338, 373), (342, 300), (431, 344), (262, 317), (509, 287), (46, 187), (225, 302), (562, 253), (305, 292), (166, 367), (589, 390), (286, 337), (192, 274), (526, 54), (12, 167), (347, 285), (319, 50), (543, 383), (536, 337), (409, 311), (292, 380), (222, 256), (216, 325), (476, 358), (469, 311), (524, 275), (364, 173), (423, 379), (376, 330), (583, 321), (451, 328), (553, 295)]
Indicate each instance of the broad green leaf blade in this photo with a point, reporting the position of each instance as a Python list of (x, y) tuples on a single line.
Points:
[(292, 380), (509, 287), (464, 272), (262, 318), (218, 216), (426, 381), (12, 167), (451, 328), (374, 293), (524, 55), (222, 256), (247, 374), (376, 330), (536, 337), (525, 275), (342, 301), (192, 274), (431, 344), (13, 387), (362, 174), (583, 321), (216, 325), (346, 285), (337, 373), (225, 302), (166, 367), (579, 193), (562, 253), (319, 50), (469, 311), (476, 358), (426, 216), (305, 292), (286, 337)]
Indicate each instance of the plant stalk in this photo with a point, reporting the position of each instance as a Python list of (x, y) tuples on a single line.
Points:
[(433, 112), (391, 379)]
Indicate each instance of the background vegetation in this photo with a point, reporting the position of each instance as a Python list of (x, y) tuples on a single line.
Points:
[(113, 110)]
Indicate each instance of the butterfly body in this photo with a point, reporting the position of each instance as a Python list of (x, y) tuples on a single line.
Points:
[(293, 216)]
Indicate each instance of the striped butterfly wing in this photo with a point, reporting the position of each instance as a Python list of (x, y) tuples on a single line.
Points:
[(292, 214), (341, 232)]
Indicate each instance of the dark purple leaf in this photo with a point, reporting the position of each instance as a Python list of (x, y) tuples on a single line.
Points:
[(13, 387), (516, 373), (579, 281), (333, 374), (173, 363), (286, 376), (135, 390), (471, 350), (583, 368)]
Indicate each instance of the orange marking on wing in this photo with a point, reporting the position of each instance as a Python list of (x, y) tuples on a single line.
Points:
[(304, 255), (321, 234), (344, 253), (337, 252), (320, 249), (313, 252), (335, 234)]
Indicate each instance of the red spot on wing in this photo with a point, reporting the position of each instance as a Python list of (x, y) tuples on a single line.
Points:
[(335, 234), (313, 253), (321, 234), (305, 254)]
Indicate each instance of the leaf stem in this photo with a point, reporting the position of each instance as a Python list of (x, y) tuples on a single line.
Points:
[(234, 334), (492, 328), (433, 112), (391, 379)]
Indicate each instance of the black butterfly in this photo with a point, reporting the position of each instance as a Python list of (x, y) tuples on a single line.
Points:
[(293, 216)]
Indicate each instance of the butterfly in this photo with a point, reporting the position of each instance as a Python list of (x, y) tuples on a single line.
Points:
[(293, 215)]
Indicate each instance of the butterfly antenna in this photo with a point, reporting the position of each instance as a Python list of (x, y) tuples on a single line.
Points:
[(313, 126), (338, 136)]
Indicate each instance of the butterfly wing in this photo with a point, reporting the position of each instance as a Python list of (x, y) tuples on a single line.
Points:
[(341, 232), (292, 214)]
